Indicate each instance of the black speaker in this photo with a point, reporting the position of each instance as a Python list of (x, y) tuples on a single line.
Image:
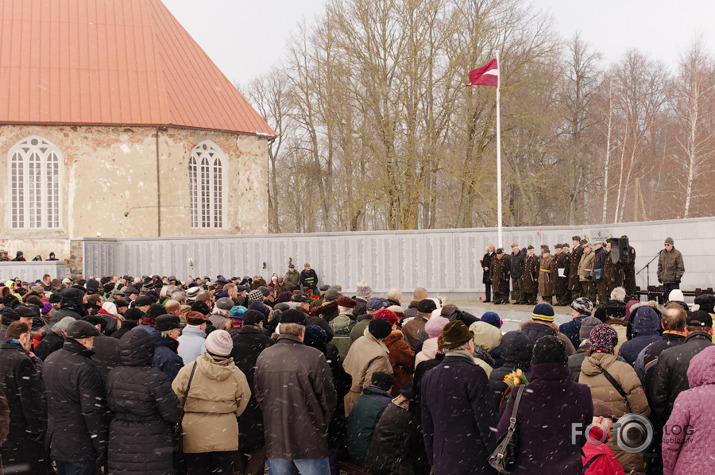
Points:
[(624, 258)]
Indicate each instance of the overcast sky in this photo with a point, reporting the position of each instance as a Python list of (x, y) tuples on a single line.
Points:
[(245, 38)]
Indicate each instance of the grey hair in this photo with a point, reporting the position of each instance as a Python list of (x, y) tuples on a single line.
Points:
[(394, 294), (619, 294)]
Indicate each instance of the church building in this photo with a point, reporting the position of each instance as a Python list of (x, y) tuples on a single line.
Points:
[(115, 123)]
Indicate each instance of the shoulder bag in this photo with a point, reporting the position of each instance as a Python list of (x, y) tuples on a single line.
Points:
[(503, 459), (618, 387)]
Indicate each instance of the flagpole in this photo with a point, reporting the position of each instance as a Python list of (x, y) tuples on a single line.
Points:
[(499, 218)]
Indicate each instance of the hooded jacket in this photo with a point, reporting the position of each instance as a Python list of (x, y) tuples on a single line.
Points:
[(535, 330), (166, 358), (546, 442), (363, 419), (218, 395), (192, 343), (144, 409), (516, 349), (70, 305), (646, 330), (690, 430)]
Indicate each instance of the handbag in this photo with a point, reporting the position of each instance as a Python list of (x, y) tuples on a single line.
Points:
[(179, 460), (503, 459)]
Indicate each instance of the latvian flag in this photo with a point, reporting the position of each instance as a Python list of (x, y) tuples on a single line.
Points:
[(487, 75)]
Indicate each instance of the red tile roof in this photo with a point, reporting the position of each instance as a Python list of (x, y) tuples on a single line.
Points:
[(124, 62)]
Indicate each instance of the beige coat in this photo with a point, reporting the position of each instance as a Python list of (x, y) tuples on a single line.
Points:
[(586, 263), (635, 402), (218, 394), (366, 356)]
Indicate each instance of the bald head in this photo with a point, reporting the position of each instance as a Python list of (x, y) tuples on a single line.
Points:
[(173, 307)]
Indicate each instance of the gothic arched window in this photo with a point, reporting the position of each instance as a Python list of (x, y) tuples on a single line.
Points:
[(35, 177), (206, 174)]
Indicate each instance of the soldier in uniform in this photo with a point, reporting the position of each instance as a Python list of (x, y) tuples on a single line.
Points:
[(561, 266), (574, 278), (545, 277), (585, 273), (599, 261), (486, 267), (516, 271), (629, 271), (529, 279), (499, 275), (612, 272)]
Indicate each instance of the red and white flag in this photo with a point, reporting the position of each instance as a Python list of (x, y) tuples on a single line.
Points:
[(487, 75)]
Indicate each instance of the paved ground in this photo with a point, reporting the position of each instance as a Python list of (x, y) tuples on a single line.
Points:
[(511, 315)]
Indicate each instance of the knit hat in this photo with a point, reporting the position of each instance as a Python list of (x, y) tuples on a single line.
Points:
[(225, 303), (375, 304), (46, 308), (363, 290), (543, 312), (196, 318), (314, 336), (676, 295), (582, 305), (237, 310), (426, 306), (264, 290), (486, 336), (167, 322), (603, 338), (219, 343), (191, 293), (81, 329), (346, 302), (294, 316), (492, 318), (601, 409), (255, 296), (9, 316), (260, 307), (669, 240), (283, 297), (587, 324), (388, 315), (380, 328), (549, 349), (435, 325), (383, 380), (454, 335), (332, 294)]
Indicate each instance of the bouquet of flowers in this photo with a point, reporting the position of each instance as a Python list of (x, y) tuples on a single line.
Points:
[(516, 378)]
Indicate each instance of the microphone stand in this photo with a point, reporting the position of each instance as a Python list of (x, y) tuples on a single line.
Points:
[(647, 267)]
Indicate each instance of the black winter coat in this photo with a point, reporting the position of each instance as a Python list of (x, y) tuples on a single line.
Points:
[(487, 266), (516, 265), (76, 409), (48, 345), (515, 354), (550, 407), (144, 410), (22, 385), (247, 345), (389, 447), (106, 354), (166, 358), (126, 327), (670, 375), (458, 434)]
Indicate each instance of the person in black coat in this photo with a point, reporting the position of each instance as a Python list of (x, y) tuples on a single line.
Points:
[(131, 319), (457, 406), (515, 354), (106, 349), (70, 305), (247, 345), (21, 382), (167, 329), (144, 409), (76, 408), (551, 406), (486, 265)]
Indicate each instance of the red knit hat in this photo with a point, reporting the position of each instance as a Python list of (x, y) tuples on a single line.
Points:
[(389, 315)]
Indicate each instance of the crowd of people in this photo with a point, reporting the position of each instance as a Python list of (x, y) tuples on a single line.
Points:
[(590, 269), (235, 375)]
